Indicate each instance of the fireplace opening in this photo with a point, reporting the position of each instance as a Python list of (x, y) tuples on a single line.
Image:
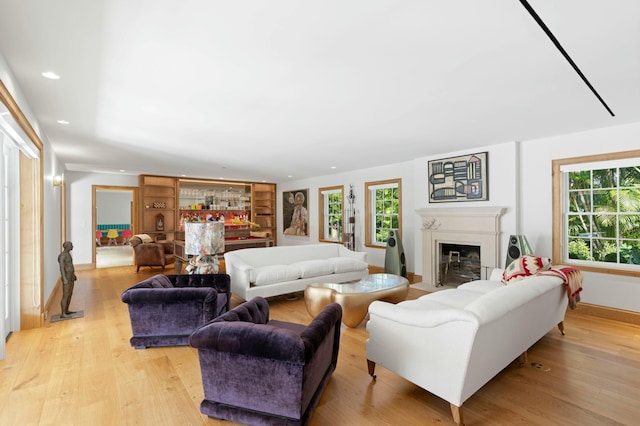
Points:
[(459, 263)]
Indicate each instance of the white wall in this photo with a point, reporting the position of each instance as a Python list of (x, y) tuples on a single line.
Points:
[(357, 178), (503, 178), (526, 195), (51, 195), (51, 220), (79, 209), (113, 207), (601, 289), (519, 180)]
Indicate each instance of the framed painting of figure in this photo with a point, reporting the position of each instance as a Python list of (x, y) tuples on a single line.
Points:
[(295, 215)]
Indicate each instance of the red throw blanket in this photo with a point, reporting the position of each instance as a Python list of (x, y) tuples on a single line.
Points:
[(572, 278)]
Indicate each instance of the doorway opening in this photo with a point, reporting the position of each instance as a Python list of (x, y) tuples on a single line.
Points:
[(114, 221)]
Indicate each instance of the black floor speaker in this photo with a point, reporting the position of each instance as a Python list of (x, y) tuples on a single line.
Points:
[(394, 260), (518, 246)]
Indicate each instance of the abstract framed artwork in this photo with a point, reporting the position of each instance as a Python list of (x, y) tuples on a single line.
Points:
[(462, 178), (295, 212)]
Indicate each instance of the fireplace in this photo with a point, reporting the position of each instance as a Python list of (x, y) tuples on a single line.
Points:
[(459, 263), (472, 231)]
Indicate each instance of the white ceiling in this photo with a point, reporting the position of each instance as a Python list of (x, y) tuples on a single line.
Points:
[(260, 90)]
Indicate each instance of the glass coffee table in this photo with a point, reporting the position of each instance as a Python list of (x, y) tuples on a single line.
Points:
[(356, 296)]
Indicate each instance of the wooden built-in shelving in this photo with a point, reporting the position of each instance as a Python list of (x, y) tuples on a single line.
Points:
[(248, 209), (158, 201)]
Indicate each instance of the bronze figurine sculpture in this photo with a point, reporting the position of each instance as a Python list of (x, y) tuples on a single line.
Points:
[(67, 271)]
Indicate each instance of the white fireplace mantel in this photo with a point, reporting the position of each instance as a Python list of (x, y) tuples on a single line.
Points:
[(479, 226)]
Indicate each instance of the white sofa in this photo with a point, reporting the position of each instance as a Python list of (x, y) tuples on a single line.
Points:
[(452, 342), (272, 271)]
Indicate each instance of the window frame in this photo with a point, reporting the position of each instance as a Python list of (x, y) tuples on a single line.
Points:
[(323, 213), (559, 224), (370, 209)]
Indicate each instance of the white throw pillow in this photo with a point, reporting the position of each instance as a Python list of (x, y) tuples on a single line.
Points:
[(274, 274)]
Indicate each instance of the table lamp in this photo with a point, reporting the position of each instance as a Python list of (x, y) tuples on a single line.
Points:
[(205, 240)]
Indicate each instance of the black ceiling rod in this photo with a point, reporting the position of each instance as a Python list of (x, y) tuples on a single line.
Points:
[(564, 52)]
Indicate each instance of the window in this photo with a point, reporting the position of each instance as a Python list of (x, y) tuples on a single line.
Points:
[(383, 210), (597, 216), (331, 213)]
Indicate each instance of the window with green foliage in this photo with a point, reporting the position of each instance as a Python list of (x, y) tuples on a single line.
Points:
[(602, 212), (383, 205), (331, 213)]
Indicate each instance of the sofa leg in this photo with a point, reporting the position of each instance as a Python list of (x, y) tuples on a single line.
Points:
[(457, 414), (561, 327), (523, 359), (371, 366)]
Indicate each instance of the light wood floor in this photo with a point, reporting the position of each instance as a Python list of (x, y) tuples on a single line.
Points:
[(84, 372)]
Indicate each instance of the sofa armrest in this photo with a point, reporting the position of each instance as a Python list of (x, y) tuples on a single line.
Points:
[(240, 265), (167, 247), (315, 333), (345, 252), (240, 273), (169, 295), (496, 274)]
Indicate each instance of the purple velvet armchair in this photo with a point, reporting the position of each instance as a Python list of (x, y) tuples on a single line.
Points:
[(165, 309), (263, 372)]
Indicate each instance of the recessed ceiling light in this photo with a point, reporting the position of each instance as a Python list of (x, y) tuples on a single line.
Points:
[(122, 170), (290, 176), (63, 122), (51, 75), (333, 167)]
